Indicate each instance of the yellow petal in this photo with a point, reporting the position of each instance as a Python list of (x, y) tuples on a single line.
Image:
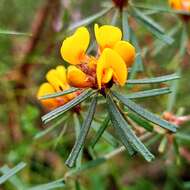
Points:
[(111, 59), (175, 4), (61, 73), (74, 47), (107, 35), (46, 89), (77, 78), (126, 51), (108, 73), (55, 78)]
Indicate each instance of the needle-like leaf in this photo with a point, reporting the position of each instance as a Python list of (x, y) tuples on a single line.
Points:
[(79, 143), (57, 94), (62, 109), (12, 172), (145, 113), (148, 93), (154, 80), (90, 19), (51, 185), (125, 133)]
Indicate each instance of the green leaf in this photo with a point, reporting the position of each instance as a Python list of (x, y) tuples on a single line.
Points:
[(52, 185), (14, 180), (125, 132), (141, 122), (148, 93), (160, 8), (90, 19), (10, 32), (148, 20), (57, 94), (100, 131), (145, 113), (12, 172), (108, 137), (152, 26), (79, 143), (125, 26), (62, 109), (172, 97), (154, 80), (185, 137), (138, 65)]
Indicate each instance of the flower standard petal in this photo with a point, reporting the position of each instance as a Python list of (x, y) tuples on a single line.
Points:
[(77, 78), (74, 47), (126, 51), (46, 89), (107, 36)]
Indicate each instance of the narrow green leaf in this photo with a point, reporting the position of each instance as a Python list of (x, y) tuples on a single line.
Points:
[(125, 26), (52, 185), (138, 65), (57, 94), (12, 172), (148, 20), (161, 79), (173, 95), (145, 113), (141, 122), (126, 132), (77, 125), (108, 137), (185, 137), (100, 131), (152, 26), (90, 19), (14, 180), (115, 17), (160, 8), (148, 93), (62, 109), (10, 32), (79, 143)]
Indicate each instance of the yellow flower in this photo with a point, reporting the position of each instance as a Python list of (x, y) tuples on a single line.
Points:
[(183, 5), (113, 57), (57, 82)]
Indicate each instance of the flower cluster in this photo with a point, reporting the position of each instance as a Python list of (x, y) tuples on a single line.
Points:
[(180, 5), (110, 64)]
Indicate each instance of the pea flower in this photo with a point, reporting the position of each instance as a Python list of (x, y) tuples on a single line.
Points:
[(56, 82), (108, 66), (181, 5)]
